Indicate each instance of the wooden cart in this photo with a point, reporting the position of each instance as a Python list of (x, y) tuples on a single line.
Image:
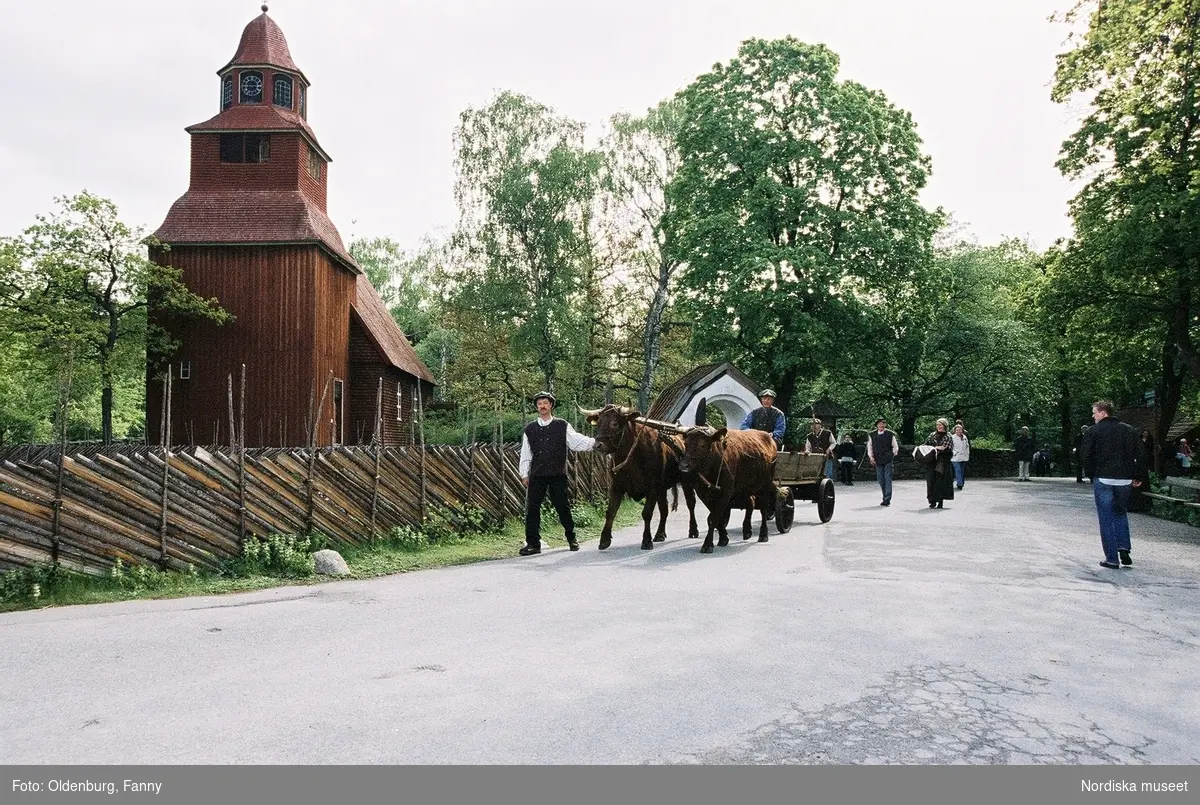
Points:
[(801, 477)]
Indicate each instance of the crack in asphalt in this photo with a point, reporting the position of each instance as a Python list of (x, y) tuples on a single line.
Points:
[(937, 715)]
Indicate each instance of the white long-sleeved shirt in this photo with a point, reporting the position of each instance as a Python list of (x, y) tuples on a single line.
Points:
[(575, 441)]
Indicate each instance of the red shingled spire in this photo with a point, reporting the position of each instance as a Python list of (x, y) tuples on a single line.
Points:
[(263, 43)]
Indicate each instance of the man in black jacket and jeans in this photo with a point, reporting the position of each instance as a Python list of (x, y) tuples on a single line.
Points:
[(1111, 454)]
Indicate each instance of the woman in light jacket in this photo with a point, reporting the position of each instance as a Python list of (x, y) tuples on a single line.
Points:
[(960, 455)]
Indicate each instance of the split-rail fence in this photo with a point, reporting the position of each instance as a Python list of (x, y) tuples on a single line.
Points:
[(196, 506)]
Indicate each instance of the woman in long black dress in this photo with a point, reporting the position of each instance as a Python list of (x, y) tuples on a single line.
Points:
[(939, 475)]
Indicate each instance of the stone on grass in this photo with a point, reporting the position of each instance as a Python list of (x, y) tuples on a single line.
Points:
[(330, 563)]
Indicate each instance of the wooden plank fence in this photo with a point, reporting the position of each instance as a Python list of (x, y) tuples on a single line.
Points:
[(195, 505)]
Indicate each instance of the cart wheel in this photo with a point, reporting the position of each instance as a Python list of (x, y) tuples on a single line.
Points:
[(785, 510), (825, 500)]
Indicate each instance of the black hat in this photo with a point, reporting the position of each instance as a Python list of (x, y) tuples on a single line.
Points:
[(545, 395)]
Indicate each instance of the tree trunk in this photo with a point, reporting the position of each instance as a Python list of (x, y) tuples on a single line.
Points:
[(785, 389), (106, 413), (652, 336), (1067, 428), (1170, 390)]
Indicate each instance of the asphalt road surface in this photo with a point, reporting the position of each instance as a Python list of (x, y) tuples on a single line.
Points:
[(983, 633)]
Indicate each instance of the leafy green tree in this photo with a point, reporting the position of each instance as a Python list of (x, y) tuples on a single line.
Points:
[(641, 160), (408, 284), (1132, 267), (952, 342), (525, 181), (77, 286), (797, 198), (27, 401)]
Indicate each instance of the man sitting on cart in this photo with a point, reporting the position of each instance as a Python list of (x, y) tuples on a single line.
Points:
[(767, 418)]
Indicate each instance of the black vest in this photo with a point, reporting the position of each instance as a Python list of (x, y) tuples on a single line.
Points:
[(548, 444), (881, 447), (764, 418)]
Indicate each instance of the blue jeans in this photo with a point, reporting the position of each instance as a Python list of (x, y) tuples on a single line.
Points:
[(883, 474), (960, 472), (1112, 503), (829, 468)]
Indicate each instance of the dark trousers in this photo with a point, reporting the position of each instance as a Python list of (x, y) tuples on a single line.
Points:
[(846, 472), (539, 487)]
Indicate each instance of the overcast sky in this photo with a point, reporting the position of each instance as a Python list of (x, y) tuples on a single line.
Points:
[(95, 95)]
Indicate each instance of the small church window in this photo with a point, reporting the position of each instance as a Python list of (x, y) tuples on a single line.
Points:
[(251, 147), (283, 91), (226, 92), (185, 370), (303, 102), (399, 402), (314, 164), (252, 87)]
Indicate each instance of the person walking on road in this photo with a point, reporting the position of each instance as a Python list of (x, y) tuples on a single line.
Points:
[(960, 455), (939, 480), (846, 456), (543, 470), (1078, 451), (1112, 456), (1023, 447), (882, 449)]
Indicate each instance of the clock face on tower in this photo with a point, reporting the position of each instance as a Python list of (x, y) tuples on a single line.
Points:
[(252, 85)]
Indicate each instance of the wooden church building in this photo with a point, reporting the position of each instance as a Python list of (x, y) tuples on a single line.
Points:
[(252, 231)]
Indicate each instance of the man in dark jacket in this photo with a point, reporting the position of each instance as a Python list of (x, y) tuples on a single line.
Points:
[(1023, 447), (1078, 451), (1111, 455)]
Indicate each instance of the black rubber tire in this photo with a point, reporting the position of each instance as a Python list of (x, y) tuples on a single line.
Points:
[(785, 510), (825, 500)]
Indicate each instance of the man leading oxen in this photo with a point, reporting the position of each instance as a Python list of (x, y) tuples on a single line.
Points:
[(645, 467), (731, 469)]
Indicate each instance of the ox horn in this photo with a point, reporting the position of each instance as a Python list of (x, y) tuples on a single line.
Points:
[(590, 414)]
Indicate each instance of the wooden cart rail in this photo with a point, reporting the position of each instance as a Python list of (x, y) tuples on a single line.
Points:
[(799, 468)]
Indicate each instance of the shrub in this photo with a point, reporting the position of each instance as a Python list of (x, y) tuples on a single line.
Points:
[(276, 555), (27, 583)]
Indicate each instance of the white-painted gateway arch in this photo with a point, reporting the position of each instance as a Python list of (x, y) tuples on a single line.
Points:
[(722, 384)]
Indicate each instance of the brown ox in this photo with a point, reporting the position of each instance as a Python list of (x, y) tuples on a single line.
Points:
[(645, 466), (731, 468)]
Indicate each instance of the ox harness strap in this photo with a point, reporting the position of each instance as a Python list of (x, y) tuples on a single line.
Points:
[(629, 455), (716, 486)]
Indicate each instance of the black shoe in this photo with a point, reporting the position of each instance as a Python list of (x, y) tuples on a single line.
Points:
[(939, 504), (1125, 559), (1110, 565), (887, 503), (883, 503), (572, 544), (959, 488), (528, 551), (932, 505)]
